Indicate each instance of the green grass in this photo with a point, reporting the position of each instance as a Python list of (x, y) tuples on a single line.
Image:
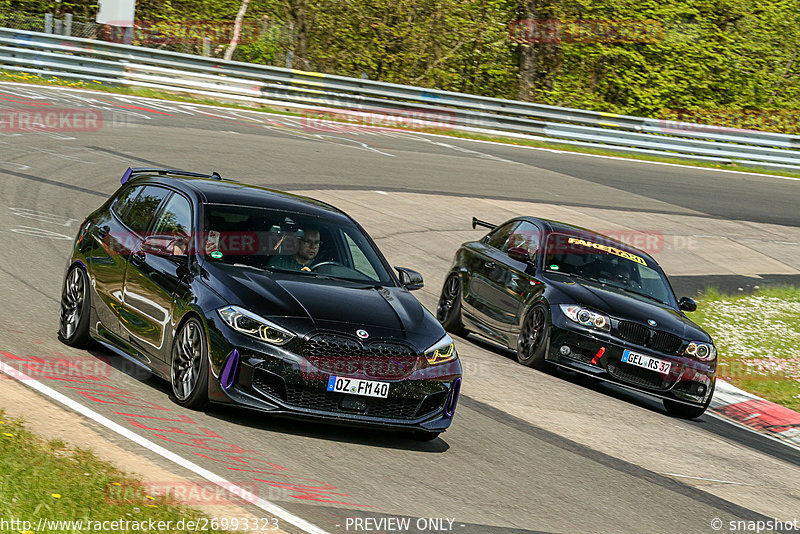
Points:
[(52, 480), (758, 339), (165, 95)]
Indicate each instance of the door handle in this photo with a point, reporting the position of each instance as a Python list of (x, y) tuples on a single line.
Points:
[(138, 257), (102, 232), (490, 265)]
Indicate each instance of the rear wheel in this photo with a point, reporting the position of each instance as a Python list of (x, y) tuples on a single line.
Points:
[(189, 372), (533, 338), (684, 411), (73, 324), (448, 312)]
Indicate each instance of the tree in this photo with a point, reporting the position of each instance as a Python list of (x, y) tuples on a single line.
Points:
[(539, 52), (237, 29)]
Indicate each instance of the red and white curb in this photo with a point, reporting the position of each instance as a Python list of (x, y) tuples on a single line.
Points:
[(755, 413)]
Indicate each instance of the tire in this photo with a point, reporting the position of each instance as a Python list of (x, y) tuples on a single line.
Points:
[(533, 338), (448, 312), (189, 367), (73, 321), (684, 411), (421, 435)]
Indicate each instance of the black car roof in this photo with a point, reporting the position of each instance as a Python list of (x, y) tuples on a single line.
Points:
[(550, 227), (220, 191)]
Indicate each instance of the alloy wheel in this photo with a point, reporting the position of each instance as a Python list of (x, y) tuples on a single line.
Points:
[(187, 361)]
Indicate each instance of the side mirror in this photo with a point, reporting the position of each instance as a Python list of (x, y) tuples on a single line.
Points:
[(411, 280), (687, 304), (519, 253), (165, 245)]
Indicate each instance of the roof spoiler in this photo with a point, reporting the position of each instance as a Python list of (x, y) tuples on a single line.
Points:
[(132, 172), (478, 222)]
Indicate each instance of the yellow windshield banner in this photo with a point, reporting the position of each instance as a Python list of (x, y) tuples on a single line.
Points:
[(607, 248)]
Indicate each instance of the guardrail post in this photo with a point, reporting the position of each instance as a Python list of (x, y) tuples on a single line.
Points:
[(289, 59), (48, 23), (67, 25), (206, 46)]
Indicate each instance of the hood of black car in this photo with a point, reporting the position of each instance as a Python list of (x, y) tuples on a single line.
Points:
[(304, 303), (625, 306)]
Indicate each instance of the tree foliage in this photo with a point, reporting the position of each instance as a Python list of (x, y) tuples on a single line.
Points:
[(708, 54)]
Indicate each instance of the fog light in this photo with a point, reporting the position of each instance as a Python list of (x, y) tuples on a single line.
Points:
[(701, 389), (565, 350)]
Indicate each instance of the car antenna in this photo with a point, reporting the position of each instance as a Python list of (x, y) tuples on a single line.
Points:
[(215, 175)]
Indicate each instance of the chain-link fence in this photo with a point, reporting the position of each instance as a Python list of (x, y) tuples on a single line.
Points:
[(22, 21), (264, 41)]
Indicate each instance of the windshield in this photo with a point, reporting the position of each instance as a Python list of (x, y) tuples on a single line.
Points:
[(289, 242), (602, 262)]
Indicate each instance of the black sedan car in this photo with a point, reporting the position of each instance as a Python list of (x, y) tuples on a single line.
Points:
[(243, 295), (563, 295)]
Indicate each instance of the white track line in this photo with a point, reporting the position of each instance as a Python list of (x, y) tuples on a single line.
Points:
[(264, 504), (499, 133)]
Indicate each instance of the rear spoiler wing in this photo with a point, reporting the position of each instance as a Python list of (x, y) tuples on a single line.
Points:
[(132, 172), (478, 222)]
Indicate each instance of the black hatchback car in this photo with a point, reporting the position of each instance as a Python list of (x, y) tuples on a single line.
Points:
[(243, 295), (563, 295)]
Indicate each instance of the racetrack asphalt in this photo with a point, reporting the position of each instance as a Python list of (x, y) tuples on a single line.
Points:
[(528, 451)]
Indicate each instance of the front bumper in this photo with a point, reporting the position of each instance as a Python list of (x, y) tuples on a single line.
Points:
[(599, 354), (282, 382)]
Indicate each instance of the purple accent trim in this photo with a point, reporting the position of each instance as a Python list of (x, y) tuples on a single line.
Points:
[(229, 371), (452, 399), (126, 176)]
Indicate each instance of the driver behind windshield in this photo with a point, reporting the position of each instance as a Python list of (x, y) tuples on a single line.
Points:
[(307, 249)]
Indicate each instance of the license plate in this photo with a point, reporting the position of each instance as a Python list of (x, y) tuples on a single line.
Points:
[(355, 386), (646, 362)]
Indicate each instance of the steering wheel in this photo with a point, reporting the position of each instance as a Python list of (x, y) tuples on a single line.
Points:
[(314, 267)]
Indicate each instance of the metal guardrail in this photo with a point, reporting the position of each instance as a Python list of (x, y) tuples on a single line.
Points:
[(84, 59)]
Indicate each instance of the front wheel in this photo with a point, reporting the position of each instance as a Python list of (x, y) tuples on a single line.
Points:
[(448, 312), (684, 411), (533, 338), (73, 324), (189, 370)]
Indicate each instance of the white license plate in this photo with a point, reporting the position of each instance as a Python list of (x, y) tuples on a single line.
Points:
[(647, 362), (355, 386)]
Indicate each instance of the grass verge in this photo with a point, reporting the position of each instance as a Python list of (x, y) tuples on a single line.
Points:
[(50, 480), (758, 340), (165, 95)]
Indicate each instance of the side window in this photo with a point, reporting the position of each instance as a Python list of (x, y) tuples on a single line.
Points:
[(124, 201), (499, 236), (525, 236), (144, 207), (175, 218), (360, 261)]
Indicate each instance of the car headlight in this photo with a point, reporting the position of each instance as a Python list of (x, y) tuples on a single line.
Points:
[(252, 325), (701, 350), (442, 351), (585, 317)]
